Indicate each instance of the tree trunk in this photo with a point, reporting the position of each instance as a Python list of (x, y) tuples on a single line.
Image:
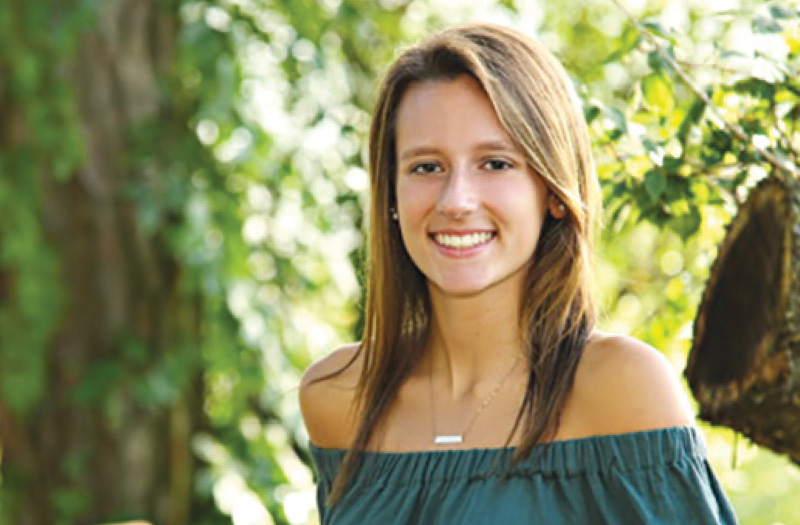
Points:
[(97, 447)]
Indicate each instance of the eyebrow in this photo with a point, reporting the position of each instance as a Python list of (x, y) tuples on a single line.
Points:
[(489, 145), (418, 151)]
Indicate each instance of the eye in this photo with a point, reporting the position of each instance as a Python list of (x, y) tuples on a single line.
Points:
[(497, 164), (424, 168)]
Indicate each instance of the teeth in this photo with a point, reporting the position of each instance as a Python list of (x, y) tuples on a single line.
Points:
[(462, 241)]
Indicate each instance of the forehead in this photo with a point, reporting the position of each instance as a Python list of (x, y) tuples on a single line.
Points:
[(447, 112)]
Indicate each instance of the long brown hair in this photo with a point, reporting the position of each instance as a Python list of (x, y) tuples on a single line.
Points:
[(536, 104)]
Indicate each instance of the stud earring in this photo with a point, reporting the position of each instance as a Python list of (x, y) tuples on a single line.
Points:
[(393, 213), (560, 211)]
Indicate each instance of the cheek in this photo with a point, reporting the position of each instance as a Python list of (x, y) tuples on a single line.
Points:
[(402, 194), (409, 209), (413, 201), (523, 208), (522, 198)]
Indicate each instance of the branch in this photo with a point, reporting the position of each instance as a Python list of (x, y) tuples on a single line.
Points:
[(718, 67), (735, 130)]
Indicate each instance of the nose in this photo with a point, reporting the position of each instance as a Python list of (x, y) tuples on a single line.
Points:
[(459, 196)]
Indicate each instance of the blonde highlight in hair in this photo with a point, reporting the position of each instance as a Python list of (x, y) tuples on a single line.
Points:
[(535, 102)]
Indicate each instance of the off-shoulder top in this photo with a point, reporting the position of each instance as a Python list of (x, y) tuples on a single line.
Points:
[(653, 477)]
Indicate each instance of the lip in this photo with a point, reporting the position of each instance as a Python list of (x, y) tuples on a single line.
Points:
[(461, 253)]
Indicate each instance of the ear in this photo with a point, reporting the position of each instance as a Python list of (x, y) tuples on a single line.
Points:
[(557, 208)]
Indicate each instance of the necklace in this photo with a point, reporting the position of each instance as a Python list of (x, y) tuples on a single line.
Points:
[(447, 439)]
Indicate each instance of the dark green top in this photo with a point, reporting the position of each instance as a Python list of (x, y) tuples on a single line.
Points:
[(653, 477)]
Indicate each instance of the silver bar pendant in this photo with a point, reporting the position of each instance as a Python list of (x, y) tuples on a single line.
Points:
[(444, 440)]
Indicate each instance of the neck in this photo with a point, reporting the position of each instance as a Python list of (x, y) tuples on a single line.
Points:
[(475, 341)]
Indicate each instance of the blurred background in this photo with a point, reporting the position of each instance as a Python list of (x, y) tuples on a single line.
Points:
[(182, 200)]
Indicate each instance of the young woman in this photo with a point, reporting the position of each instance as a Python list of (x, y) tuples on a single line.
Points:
[(481, 392)]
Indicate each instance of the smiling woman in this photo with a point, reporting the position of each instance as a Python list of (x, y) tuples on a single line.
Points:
[(480, 349)]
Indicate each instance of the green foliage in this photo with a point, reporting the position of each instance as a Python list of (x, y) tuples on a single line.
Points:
[(657, 91)]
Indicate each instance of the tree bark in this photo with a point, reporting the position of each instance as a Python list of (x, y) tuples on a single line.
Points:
[(130, 460)]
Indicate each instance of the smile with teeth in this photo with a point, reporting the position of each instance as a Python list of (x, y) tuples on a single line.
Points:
[(462, 241)]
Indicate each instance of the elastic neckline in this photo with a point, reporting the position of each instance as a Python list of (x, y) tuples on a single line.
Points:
[(599, 454)]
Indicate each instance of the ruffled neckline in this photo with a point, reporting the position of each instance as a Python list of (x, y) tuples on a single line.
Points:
[(572, 457)]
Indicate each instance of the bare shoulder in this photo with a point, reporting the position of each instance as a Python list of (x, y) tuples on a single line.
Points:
[(326, 402), (624, 385)]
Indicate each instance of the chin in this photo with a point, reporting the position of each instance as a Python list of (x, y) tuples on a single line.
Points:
[(461, 289)]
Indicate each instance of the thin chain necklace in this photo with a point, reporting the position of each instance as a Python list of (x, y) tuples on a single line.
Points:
[(447, 439)]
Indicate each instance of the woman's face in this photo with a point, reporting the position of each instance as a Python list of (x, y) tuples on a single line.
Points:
[(470, 210)]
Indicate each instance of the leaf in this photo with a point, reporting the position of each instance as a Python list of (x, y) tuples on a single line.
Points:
[(649, 145), (619, 119), (619, 122), (755, 87), (620, 215), (70, 501), (733, 54), (699, 190), (591, 112), (98, 382), (630, 40), (657, 60), (715, 147), (694, 114), (686, 224), (657, 91), (794, 89), (677, 188), (766, 25), (779, 11), (620, 189), (655, 183), (658, 29)]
